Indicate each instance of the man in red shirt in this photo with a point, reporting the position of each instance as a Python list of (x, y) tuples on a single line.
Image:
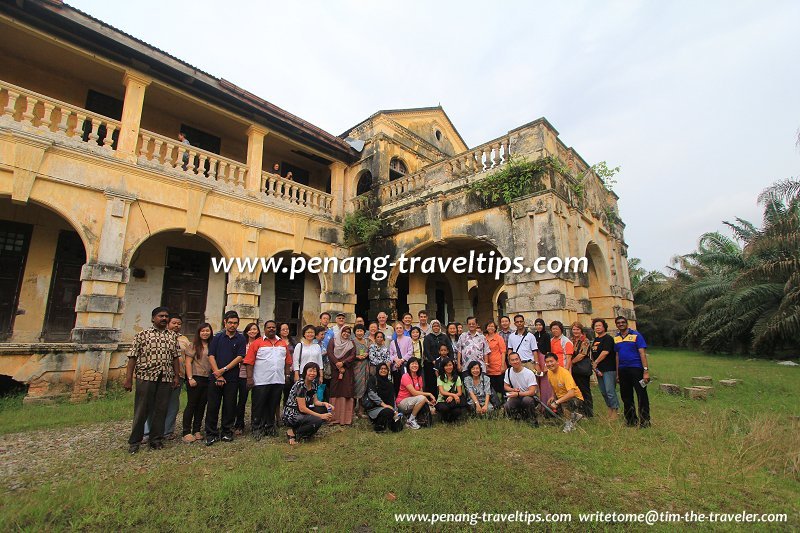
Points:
[(268, 360)]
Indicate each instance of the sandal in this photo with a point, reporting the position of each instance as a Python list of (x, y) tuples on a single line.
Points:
[(292, 439)]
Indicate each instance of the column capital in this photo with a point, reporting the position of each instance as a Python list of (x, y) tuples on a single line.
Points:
[(256, 129), (337, 166), (131, 76)]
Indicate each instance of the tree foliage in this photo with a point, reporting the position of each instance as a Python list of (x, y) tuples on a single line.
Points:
[(362, 227), (732, 294)]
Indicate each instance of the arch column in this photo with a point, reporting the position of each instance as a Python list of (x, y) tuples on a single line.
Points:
[(244, 289), (103, 278), (417, 297), (462, 306)]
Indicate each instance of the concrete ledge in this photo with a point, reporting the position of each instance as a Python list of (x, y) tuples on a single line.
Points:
[(703, 380)]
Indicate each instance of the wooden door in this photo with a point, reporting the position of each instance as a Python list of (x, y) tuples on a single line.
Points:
[(65, 286), (289, 295), (186, 286), (15, 240)]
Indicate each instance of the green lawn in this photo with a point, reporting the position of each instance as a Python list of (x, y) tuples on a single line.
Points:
[(737, 452)]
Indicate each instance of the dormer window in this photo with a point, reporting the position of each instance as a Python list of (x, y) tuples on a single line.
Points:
[(397, 169)]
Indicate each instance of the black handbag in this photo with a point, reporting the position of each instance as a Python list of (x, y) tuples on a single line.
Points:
[(582, 367)]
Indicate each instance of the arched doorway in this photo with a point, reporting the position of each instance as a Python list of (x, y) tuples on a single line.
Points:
[(174, 269), (597, 283), (295, 301), (41, 256), (468, 294)]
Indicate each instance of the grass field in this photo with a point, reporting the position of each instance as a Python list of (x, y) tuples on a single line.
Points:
[(738, 451)]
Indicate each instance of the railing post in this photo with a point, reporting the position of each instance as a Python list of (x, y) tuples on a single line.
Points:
[(135, 85), (255, 156)]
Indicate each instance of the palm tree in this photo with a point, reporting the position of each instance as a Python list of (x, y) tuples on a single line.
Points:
[(731, 294)]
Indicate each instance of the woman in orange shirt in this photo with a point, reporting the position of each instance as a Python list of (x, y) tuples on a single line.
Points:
[(560, 345), (496, 359)]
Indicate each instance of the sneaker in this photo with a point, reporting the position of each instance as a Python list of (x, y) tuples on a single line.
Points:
[(412, 424), (568, 426), (133, 448), (227, 438), (211, 440)]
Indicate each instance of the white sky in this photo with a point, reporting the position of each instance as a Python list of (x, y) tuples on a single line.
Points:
[(699, 102)]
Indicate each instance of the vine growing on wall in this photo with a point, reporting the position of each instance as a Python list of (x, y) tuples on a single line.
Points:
[(516, 179), (361, 227)]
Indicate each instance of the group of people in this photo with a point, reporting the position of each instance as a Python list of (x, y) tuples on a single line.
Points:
[(395, 376)]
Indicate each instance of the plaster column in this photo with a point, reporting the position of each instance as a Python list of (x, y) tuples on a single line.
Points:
[(100, 304), (243, 289), (337, 188), (417, 297), (255, 156), (135, 86)]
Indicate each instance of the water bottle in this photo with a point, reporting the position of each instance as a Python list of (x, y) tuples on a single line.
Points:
[(643, 383)]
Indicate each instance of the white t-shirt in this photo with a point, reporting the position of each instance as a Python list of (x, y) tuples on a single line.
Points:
[(523, 380), (523, 344), (269, 364), (310, 354)]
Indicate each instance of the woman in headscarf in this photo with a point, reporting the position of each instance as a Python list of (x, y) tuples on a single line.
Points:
[(431, 344), (360, 366), (342, 353), (380, 398)]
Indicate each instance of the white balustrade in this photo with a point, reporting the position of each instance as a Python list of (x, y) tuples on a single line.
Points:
[(172, 154), (56, 118), (293, 193)]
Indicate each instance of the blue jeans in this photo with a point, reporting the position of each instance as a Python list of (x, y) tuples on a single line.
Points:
[(608, 388), (172, 412)]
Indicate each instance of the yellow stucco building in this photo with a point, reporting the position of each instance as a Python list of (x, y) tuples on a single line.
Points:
[(105, 213)]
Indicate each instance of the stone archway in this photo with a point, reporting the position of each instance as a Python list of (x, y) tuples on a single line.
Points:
[(295, 301), (597, 283), (40, 272), (174, 269), (415, 294)]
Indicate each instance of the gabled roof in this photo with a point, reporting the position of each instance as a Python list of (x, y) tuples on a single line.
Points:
[(83, 30), (407, 110)]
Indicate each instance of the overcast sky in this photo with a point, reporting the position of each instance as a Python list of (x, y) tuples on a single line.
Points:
[(698, 102)]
